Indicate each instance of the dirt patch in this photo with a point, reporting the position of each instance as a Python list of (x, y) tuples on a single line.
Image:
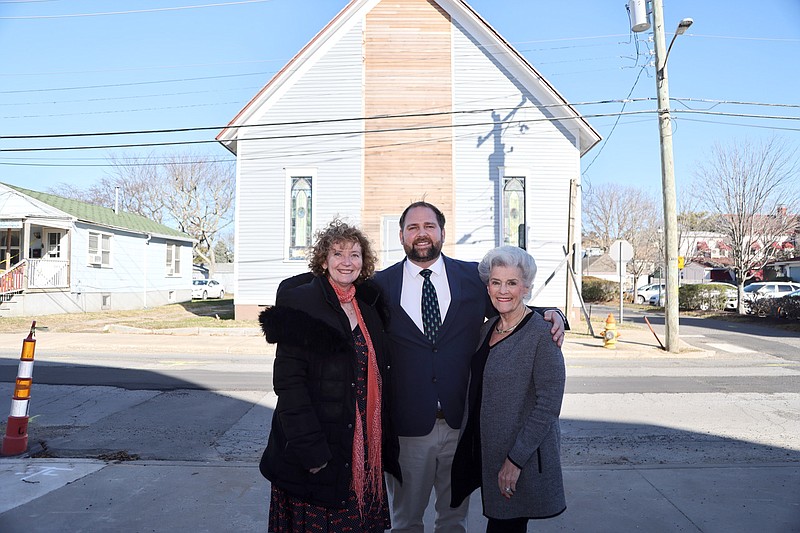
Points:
[(119, 456)]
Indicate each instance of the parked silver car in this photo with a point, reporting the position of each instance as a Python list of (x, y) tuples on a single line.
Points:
[(644, 293), (762, 289)]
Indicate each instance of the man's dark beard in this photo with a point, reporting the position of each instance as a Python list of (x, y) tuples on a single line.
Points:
[(432, 253)]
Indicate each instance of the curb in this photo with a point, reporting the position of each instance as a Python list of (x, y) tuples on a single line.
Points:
[(211, 332)]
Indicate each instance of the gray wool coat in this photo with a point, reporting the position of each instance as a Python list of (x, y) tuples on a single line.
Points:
[(522, 390)]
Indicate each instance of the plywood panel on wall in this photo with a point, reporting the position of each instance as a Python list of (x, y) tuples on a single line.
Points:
[(407, 53)]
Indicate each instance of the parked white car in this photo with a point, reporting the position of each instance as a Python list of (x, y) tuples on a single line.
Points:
[(643, 294), (763, 289), (207, 288)]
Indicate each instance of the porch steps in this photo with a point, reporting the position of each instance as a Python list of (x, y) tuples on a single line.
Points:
[(9, 304)]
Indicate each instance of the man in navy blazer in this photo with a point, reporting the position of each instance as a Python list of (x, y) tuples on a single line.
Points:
[(430, 378)]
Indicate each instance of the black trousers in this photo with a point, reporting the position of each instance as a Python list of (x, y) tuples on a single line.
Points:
[(511, 525)]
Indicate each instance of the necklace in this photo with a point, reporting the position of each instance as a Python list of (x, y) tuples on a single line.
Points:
[(501, 331)]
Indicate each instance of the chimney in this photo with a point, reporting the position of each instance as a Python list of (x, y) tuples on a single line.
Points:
[(116, 200)]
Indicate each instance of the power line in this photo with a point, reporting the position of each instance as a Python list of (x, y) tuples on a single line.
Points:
[(292, 123), (614, 127), (732, 102), (624, 101), (310, 135), (133, 11), (114, 111), (153, 82), (295, 153), (342, 120), (740, 124), (776, 39), (132, 97)]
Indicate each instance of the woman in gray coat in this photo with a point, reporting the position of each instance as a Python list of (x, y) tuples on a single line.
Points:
[(510, 442)]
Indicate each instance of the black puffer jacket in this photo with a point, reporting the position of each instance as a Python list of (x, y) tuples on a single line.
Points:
[(314, 378)]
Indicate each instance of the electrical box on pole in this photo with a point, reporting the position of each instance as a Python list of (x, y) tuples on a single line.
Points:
[(638, 13)]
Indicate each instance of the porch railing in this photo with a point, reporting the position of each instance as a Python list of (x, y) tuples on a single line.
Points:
[(13, 279), (48, 273)]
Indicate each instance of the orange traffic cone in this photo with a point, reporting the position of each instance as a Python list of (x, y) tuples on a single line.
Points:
[(15, 441)]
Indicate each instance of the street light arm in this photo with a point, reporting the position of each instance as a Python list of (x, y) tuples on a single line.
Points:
[(683, 25)]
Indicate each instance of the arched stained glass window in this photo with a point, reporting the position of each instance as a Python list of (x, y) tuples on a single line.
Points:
[(300, 223), (514, 211)]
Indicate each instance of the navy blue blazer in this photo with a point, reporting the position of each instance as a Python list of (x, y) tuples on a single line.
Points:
[(422, 372)]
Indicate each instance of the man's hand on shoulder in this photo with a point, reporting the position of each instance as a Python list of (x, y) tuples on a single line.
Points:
[(555, 316)]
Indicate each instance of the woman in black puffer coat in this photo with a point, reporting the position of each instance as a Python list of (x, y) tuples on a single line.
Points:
[(330, 439)]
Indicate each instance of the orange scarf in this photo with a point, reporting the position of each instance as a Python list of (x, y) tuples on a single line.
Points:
[(371, 478)]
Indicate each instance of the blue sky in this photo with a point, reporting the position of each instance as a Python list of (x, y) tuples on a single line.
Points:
[(68, 68)]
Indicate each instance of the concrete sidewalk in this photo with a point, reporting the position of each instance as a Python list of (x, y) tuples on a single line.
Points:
[(222, 490), (56, 495)]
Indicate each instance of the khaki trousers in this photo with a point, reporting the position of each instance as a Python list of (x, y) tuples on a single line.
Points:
[(425, 463)]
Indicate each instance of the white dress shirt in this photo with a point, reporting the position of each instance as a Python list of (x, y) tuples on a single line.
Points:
[(411, 292)]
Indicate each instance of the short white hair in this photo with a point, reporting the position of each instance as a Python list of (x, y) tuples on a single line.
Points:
[(508, 256)]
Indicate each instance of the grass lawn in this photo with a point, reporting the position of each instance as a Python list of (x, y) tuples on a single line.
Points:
[(197, 313)]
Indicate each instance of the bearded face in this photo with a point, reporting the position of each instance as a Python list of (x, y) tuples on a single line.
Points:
[(421, 236), (423, 249)]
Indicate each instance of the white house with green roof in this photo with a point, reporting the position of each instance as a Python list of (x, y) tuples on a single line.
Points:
[(59, 255)]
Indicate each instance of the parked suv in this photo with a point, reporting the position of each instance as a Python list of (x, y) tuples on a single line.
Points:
[(763, 289), (643, 294)]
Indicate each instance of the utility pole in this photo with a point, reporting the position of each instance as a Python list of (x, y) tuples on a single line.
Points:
[(667, 175)]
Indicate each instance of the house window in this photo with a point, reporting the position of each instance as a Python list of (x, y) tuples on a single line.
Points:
[(514, 211), (53, 245), (173, 259), (300, 220), (9, 248), (99, 249)]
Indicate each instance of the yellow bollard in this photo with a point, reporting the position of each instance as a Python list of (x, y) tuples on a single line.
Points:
[(610, 334)]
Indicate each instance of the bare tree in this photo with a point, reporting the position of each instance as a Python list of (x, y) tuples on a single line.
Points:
[(189, 192), (752, 188), (141, 186), (617, 212), (135, 184), (200, 200)]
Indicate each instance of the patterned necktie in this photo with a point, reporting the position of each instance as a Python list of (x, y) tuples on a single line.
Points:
[(431, 318)]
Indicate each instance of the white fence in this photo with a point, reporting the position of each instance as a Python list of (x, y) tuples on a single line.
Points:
[(48, 273)]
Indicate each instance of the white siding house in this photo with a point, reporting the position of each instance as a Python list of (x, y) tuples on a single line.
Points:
[(63, 256), (396, 101)]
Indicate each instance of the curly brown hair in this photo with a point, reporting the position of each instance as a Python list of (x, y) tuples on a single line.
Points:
[(337, 232)]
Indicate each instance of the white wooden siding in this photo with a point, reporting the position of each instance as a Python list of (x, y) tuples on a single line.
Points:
[(134, 264), (331, 88), (546, 151)]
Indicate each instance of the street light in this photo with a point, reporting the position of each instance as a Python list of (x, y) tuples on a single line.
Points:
[(667, 173), (683, 25)]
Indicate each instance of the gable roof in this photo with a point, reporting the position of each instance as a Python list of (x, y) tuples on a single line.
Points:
[(102, 216), (459, 11), (599, 264)]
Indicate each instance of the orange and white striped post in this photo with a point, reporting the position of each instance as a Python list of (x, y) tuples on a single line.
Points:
[(16, 440)]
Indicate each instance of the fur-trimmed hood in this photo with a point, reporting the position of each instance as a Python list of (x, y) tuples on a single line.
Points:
[(301, 301), (286, 325)]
